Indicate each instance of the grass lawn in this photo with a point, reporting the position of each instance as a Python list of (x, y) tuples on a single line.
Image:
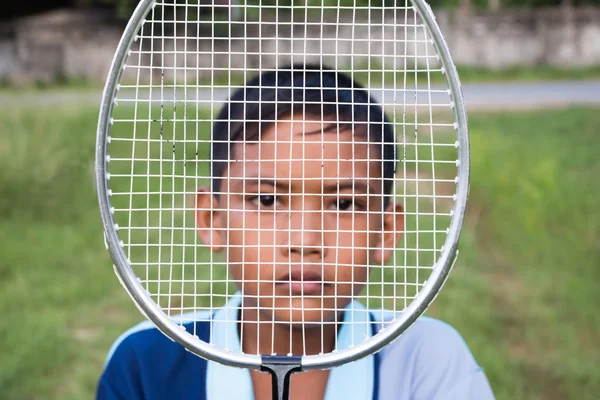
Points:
[(467, 75), (523, 294)]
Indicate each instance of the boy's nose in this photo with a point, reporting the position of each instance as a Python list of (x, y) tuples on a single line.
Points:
[(306, 233)]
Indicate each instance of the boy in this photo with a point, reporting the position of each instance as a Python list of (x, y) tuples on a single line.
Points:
[(303, 164)]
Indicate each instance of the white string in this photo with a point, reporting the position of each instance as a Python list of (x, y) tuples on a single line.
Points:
[(338, 134), (394, 188), (174, 138), (302, 229), (353, 144), (196, 307), (290, 216), (132, 158), (229, 156), (416, 116), (162, 108), (260, 128), (322, 333), (185, 181), (149, 146), (244, 150)]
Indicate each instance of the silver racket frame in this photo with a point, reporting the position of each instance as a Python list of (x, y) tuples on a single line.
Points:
[(166, 325)]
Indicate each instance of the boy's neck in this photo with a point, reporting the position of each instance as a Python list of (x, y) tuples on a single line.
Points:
[(276, 338)]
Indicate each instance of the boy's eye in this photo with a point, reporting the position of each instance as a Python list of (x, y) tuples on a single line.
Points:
[(345, 205), (263, 200), (267, 200)]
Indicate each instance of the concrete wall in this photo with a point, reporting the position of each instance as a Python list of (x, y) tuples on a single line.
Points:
[(524, 38), (76, 44), (61, 44)]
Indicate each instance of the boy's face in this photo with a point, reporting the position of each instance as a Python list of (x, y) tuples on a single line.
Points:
[(301, 218)]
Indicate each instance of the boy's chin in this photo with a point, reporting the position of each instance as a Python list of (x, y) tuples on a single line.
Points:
[(305, 312)]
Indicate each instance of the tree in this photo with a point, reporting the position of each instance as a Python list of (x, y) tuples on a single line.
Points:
[(466, 6), (495, 4), (122, 7)]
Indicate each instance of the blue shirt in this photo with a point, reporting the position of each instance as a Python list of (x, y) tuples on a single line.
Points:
[(429, 361)]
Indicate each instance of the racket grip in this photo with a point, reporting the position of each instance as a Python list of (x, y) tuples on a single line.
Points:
[(281, 368)]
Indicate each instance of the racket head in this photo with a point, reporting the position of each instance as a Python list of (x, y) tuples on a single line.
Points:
[(164, 321)]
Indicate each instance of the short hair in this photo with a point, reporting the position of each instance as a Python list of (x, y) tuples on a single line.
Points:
[(310, 90)]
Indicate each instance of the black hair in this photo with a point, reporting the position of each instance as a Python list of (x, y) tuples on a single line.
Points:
[(309, 90)]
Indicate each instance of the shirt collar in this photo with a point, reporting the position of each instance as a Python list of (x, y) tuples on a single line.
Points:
[(352, 380)]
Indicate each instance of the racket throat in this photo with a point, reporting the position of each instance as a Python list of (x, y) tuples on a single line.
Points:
[(281, 369)]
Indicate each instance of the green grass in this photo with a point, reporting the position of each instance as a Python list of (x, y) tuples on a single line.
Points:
[(534, 74), (482, 75), (467, 75), (523, 294), (532, 251)]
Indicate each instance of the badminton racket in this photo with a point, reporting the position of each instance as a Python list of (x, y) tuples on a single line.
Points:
[(310, 161)]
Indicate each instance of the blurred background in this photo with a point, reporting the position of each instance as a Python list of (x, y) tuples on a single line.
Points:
[(524, 294)]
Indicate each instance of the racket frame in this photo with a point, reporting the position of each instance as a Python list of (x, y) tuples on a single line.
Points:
[(167, 326)]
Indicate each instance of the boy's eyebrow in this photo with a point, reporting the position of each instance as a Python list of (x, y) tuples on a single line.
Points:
[(271, 182), (357, 185), (363, 186)]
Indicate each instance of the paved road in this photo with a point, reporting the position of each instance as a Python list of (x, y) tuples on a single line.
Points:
[(511, 95), (539, 94)]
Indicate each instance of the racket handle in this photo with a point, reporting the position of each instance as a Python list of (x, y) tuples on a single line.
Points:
[(281, 368)]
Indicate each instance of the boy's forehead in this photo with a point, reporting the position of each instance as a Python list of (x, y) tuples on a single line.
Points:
[(300, 149), (306, 139), (298, 131)]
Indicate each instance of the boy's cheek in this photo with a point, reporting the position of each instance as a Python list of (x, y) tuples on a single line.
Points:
[(235, 271)]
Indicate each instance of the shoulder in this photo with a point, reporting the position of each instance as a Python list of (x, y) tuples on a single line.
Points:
[(432, 338), (143, 360), (142, 343), (136, 341), (435, 361), (430, 342)]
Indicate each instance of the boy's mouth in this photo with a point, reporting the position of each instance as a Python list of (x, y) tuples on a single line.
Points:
[(301, 281)]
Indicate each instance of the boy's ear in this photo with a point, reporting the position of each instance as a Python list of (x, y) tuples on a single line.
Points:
[(393, 229), (208, 221)]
